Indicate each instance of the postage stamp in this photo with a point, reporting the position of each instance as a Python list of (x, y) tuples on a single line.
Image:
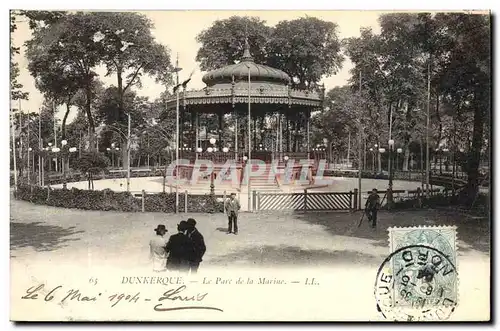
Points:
[(419, 280)]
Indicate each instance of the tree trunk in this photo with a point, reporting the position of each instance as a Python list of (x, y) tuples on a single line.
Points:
[(123, 149), (88, 111), (474, 156), (65, 118), (406, 158)]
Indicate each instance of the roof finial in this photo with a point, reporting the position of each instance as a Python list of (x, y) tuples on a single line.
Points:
[(247, 56)]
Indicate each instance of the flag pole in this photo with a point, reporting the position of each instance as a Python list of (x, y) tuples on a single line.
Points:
[(177, 69)]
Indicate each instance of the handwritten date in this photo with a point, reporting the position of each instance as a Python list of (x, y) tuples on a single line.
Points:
[(180, 295)]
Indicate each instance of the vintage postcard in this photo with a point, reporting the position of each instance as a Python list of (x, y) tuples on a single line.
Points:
[(250, 166)]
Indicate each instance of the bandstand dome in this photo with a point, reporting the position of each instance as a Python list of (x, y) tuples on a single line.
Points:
[(239, 71)]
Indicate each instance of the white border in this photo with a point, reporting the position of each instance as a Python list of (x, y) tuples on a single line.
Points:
[(158, 4)]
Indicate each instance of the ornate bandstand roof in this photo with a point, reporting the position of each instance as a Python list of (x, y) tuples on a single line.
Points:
[(258, 72), (229, 86)]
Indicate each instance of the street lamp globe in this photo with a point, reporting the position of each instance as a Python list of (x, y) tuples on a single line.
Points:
[(50, 144), (325, 141), (399, 150), (30, 149), (225, 149), (381, 150), (56, 149), (391, 143), (212, 141), (461, 150), (245, 158), (286, 157), (210, 149), (117, 148), (215, 149), (64, 142), (375, 145), (199, 150), (108, 149), (445, 150), (371, 149), (113, 145)]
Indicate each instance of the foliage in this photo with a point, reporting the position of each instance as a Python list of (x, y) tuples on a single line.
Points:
[(16, 91), (108, 200), (306, 48), (91, 163), (128, 48), (452, 51), (223, 42)]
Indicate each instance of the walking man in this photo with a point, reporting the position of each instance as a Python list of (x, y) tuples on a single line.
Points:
[(232, 207), (371, 207), (180, 249), (157, 252), (198, 244)]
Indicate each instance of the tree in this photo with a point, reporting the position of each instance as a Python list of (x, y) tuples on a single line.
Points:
[(129, 49), (92, 163), (68, 44), (466, 78), (223, 42), (16, 91), (306, 48)]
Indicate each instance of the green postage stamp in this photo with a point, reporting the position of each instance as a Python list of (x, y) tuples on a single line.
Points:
[(418, 281)]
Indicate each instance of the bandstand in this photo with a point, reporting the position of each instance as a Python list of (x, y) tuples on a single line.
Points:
[(237, 94)]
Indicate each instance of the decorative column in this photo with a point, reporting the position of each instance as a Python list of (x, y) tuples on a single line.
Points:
[(308, 120), (197, 130), (236, 133), (221, 116)]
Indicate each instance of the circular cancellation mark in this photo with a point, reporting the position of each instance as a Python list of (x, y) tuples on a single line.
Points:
[(416, 283)]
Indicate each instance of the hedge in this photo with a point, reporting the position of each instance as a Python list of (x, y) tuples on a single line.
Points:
[(117, 201)]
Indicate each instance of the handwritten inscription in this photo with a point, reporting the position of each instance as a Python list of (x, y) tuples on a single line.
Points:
[(178, 295), (69, 295), (61, 295)]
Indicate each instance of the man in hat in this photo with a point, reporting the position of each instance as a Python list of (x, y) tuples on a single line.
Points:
[(371, 207), (157, 252), (180, 249), (198, 244), (232, 207)]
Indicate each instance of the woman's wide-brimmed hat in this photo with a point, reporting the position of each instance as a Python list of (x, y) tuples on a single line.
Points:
[(161, 227)]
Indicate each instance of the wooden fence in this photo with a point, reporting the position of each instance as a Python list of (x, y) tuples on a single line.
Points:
[(305, 201)]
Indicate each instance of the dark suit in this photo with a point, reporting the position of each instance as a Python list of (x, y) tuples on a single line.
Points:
[(199, 250), (180, 251), (372, 206)]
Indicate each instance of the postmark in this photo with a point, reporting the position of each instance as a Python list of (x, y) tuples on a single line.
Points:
[(419, 280)]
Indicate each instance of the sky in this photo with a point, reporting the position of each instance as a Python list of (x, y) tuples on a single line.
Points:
[(178, 30)]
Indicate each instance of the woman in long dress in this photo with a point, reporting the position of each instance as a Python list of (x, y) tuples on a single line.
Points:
[(158, 253)]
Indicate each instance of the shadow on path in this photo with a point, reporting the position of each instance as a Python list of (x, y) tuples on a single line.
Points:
[(266, 256), (473, 233), (41, 237)]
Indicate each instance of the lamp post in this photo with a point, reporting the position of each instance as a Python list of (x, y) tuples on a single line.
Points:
[(377, 158), (128, 152), (398, 151), (389, 190), (212, 185), (373, 159), (64, 142)]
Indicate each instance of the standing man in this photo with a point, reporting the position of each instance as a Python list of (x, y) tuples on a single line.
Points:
[(198, 244), (157, 253), (232, 207), (371, 207), (180, 249)]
